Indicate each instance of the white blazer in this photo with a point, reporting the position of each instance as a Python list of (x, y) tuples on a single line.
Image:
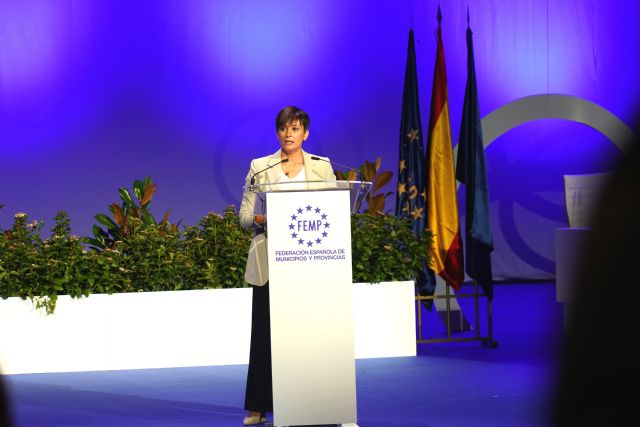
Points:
[(257, 269)]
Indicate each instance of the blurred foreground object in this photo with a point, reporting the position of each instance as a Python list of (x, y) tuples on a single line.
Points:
[(598, 365)]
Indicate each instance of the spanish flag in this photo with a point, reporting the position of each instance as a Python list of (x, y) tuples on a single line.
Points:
[(442, 204)]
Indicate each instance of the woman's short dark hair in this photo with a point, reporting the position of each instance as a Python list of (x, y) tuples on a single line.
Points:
[(292, 114)]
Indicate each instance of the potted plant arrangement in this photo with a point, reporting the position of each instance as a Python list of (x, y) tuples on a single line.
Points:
[(141, 293)]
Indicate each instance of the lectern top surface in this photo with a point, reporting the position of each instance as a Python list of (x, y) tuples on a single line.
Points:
[(309, 186)]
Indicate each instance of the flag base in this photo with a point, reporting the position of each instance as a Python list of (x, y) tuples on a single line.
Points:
[(452, 317), (449, 310)]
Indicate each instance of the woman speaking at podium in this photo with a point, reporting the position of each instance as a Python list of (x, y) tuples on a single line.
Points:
[(289, 164)]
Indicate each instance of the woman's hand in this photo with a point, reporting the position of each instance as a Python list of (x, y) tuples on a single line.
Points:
[(260, 220)]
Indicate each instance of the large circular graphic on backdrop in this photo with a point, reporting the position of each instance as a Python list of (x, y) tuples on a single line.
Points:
[(555, 106), (547, 106)]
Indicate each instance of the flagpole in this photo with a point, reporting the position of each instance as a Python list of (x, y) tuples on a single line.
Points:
[(448, 251)]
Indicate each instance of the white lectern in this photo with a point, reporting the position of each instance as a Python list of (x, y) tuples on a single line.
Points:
[(309, 251)]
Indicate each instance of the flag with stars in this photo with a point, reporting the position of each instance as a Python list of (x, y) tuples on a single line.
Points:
[(411, 195), (442, 203)]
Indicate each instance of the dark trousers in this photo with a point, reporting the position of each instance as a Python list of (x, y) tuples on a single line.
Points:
[(259, 392)]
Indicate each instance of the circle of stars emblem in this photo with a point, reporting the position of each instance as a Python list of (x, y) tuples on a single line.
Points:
[(308, 226)]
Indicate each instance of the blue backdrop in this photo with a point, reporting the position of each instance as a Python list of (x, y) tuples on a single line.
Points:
[(96, 94)]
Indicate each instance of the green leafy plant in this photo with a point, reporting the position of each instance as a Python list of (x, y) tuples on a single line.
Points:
[(211, 254), (19, 249), (136, 254), (218, 248), (118, 227), (370, 171), (59, 264), (384, 248), (40, 269)]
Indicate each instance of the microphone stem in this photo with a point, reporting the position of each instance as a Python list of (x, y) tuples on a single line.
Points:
[(252, 181)]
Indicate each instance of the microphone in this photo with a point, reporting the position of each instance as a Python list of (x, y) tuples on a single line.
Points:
[(338, 164), (359, 195), (253, 177)]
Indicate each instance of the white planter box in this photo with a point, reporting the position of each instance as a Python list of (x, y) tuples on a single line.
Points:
[(179, 328)]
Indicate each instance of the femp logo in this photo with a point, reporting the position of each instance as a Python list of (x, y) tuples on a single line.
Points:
[(309, 230), (309, 225)]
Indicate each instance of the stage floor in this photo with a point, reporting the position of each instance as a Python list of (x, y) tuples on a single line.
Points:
[(453, 385)]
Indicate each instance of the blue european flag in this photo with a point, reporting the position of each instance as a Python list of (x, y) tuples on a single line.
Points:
[(411, 193)]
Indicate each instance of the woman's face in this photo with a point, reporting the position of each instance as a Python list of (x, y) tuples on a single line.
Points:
[(291, 137)]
